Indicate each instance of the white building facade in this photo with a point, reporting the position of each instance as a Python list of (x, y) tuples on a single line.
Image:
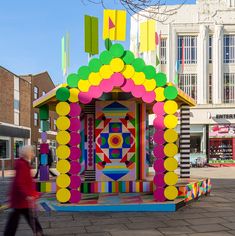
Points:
[(204, 35)]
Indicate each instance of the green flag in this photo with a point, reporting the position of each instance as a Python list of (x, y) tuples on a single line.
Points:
[(91, 33)]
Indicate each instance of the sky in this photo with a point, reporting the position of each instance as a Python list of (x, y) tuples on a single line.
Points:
[(31, 32)]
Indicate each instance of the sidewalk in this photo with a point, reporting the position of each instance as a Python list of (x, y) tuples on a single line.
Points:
[(210, 216)]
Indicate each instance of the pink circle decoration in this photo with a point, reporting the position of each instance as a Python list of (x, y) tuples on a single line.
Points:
[(158, 180), (149, 97), (75, 196), (75, 181), (138, 91), (158, 151), (75, 153), (106, 85), (159, 165), (84, 97), (75, 109), (158, 108), (117, 79), (158, 123), (128, 86), (75, 167), (159, 195), (75, 124), (44, 137), (95, 91), (75, 139), (158, 137)]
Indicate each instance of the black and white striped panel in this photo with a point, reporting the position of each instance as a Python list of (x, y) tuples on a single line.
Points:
[(185, 141)]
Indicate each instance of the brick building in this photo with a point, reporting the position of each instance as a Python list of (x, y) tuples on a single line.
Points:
[(19, 121)]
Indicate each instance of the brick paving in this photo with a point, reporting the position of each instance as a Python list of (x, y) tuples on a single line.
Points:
[(210, 216)]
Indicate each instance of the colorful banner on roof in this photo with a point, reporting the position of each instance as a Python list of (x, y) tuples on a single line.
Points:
[(91, 40), (148, 36), (114, 25)]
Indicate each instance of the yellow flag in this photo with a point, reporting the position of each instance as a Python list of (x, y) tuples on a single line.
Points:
[(147, 36), (114, 25)]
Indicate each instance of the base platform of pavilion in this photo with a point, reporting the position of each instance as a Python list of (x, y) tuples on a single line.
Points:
[(189, 190), (112, 203)]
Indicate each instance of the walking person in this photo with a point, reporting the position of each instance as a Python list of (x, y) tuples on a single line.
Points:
[(23, 195)]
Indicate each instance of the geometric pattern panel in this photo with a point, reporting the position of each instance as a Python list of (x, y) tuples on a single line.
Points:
[(115, 134)]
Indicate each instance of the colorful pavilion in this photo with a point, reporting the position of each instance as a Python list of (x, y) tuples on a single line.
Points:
[(103, 130)]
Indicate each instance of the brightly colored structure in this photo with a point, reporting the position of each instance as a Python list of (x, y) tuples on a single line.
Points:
[(103, 128)]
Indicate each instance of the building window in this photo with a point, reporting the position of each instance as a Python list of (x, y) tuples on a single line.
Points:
[(163, 54), (49, 121), (18, 144), (43, 93), (210, 48), (195, 144), (16, 101), (210, 89), (4, 148), (189, 44), (54, 124), (229, 48), (35, 92), (35, 119), (229, 88), (188, 83)]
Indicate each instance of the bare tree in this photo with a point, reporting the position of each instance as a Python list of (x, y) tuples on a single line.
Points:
[(151, 9)]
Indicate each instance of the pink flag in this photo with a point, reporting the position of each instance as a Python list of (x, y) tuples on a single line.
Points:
[(156, 39), (111, 24)]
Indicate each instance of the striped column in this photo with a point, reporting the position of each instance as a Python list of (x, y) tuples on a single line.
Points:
[(184, 141)]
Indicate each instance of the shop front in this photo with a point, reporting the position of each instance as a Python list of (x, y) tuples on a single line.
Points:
[(222, 143)]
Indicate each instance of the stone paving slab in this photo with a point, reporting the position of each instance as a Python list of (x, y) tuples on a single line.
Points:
[(208, 228), (137, 233), (176, 230)]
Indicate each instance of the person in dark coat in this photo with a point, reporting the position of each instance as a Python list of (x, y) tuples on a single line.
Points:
[(23, 195)]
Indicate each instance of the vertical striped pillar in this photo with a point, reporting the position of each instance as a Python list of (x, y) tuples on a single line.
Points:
[(184, 141)]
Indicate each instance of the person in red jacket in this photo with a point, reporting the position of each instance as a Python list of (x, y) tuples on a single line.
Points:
[(23, 195)]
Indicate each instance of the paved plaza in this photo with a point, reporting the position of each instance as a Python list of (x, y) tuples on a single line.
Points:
[(210, 216)]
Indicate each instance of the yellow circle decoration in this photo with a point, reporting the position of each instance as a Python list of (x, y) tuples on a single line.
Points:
[(160, 97), (139, 78), (63, 137), (170, 178), (62, 108), (115, 140), (171, 192), (117, 65), (170, 136), (128, 71), (170, 149), (150, 84), (95, 78), (73, 95), (63, 181), (170, 164), (63, 195), (84, 85), (63, 152), (63, 123), (170, 107), (63, 166), (105, 71), (170, 121)]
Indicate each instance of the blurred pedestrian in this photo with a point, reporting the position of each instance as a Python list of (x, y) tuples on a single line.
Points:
[(23, 195)]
